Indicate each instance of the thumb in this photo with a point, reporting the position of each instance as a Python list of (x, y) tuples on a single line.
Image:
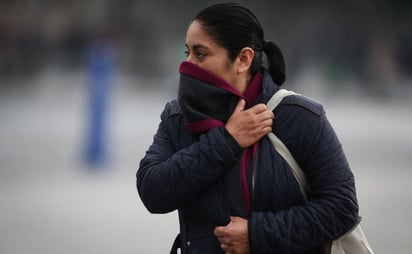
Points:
[(219, 231), (240, 105), (234, 219)]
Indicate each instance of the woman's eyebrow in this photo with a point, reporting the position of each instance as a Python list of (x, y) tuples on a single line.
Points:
[(198, 46)]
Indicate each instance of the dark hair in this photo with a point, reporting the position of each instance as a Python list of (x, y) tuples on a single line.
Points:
[(234, 27)]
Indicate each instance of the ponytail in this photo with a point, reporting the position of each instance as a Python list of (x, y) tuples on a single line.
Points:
[(276, 62)]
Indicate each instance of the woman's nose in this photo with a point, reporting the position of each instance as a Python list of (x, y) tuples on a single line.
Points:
[(189, 58)]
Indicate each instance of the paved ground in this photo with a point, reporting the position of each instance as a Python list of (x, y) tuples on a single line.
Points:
[(51, 202)]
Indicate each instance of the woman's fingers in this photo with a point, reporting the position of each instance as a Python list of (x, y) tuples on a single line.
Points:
[(248, 126)]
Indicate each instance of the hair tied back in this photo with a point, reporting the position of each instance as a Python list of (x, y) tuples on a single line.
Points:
[(276, 62)]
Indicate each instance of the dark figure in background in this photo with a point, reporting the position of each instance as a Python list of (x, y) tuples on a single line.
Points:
[(210, 158)]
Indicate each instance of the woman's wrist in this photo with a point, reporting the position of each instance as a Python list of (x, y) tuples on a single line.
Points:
[(234, 145)]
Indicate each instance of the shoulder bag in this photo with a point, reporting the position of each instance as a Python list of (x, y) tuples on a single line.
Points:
[(353, 241)]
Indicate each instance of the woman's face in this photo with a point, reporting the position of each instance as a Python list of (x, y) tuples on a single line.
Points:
[(203, 51)]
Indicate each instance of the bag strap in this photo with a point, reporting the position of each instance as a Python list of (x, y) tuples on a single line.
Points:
[(176, 245), (282, 149)]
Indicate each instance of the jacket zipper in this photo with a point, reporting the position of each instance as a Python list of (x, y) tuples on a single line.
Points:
[(254, 169)]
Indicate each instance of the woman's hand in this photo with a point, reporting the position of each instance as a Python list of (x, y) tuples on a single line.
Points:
[(249, 126), (234, 237)]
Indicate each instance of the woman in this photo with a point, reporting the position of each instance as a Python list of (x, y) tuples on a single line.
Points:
[(210, 158)]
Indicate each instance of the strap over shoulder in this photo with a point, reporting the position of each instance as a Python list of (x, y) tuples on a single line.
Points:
[(278, 97), (282, 149)]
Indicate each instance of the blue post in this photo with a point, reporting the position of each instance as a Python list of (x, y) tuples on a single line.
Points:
[(101, 67)]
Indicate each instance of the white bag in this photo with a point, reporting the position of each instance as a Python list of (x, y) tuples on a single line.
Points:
[(354, 241)]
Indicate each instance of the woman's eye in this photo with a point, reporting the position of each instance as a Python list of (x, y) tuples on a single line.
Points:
[(195, 54), (200, 54)]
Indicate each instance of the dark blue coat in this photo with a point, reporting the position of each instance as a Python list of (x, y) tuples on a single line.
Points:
[(185, 172)]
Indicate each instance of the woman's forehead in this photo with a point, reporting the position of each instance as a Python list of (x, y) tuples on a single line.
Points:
[(196, 35)]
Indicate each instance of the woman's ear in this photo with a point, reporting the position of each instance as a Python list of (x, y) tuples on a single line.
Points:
[(245, 59)]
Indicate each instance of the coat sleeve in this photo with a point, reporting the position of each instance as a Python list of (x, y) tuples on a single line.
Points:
[(169, 178), (332, 209)]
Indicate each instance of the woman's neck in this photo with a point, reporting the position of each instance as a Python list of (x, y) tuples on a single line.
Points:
[(242, 83)]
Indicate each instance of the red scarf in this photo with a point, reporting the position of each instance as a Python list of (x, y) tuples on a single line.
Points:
[(208, 101)]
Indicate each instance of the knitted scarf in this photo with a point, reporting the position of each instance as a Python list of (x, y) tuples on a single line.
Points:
[(208, 101)]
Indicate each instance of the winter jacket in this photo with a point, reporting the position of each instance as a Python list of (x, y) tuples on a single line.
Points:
[(185, 172)]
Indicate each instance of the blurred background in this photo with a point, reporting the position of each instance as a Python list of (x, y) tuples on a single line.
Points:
[(82, 85)]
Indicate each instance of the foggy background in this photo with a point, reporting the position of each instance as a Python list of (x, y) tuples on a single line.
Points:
[(83, 83)]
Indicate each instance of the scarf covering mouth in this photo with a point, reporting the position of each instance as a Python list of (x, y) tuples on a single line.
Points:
[(207, 100)]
